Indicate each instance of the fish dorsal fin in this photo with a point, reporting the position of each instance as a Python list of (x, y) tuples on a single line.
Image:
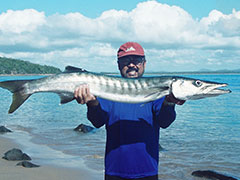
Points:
[(70, 69)]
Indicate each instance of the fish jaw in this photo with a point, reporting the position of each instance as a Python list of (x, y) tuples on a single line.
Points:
[(216, 91), (193, 89)]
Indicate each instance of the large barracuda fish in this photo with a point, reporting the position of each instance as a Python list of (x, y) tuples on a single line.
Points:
[(113, 88)]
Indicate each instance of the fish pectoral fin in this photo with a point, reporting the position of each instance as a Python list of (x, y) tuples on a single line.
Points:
[(153, 94), (158, 93), (65, 97)]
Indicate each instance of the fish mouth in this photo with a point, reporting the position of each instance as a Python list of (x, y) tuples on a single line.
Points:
[(218, 90)]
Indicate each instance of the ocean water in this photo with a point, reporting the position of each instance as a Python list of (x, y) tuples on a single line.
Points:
[(205, 135)]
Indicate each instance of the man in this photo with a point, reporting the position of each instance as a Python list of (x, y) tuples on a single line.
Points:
[(132, 146)]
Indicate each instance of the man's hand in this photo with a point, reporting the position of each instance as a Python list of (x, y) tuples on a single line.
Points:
[(170, 99), (83, 96)]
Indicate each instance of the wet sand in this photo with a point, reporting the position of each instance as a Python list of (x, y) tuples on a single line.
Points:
[(9, 170)]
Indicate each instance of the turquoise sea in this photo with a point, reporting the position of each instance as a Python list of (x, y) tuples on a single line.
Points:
[(205, 135)]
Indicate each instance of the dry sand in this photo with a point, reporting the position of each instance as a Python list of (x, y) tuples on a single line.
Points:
[(9, 170)]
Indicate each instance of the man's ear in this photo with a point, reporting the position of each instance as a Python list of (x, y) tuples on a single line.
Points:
[(144, 64)]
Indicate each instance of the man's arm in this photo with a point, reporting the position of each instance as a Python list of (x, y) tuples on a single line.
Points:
[(95, 114), (167, 115), (167, 112)]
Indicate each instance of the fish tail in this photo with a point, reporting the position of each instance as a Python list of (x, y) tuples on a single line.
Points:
[(17, 100), (18, 97)]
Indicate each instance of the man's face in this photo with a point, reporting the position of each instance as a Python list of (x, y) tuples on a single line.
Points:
[(131, 66)]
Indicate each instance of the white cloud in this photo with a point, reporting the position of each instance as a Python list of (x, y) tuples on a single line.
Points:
[(161, 24), (103, 50), (169, 34), (21, 21), (226, 25)]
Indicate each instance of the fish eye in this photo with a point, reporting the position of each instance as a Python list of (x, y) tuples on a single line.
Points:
[(198, 83)]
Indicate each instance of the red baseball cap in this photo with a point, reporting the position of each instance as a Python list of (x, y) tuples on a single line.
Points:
[(130, 48)]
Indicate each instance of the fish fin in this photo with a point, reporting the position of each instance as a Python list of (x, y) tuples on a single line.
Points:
[(16, 88), (151, 94), (71, 69), (157, 94), (65, 97), (17, 100), (13, 86)]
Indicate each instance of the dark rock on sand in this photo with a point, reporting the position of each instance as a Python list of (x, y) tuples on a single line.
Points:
[(212, 175), (4, 130), (27, 164), (83, 128), (15, 155)]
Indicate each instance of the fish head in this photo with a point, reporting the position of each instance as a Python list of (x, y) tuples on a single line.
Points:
[(192, 89)]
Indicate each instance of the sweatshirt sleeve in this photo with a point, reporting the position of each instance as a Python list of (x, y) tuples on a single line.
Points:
[(98, 115), (167, 115), (164, 114)]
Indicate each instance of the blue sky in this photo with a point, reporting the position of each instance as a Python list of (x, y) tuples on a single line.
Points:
[(177, 35), (93, 8)]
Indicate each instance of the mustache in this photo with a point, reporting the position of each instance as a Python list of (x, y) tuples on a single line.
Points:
[(132, 69)]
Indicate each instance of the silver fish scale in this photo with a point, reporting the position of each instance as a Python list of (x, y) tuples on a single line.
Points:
[(124, 90)]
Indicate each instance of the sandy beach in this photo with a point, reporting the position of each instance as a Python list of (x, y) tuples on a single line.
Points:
[(9, 170)]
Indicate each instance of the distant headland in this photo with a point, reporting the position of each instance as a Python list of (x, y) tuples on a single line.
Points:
[(9, 66)]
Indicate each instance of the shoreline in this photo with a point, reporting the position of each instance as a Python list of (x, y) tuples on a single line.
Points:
[(25, 75), (146, 73), (9, 170)]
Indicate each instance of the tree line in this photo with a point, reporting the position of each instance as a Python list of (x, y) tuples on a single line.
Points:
[(16, 66)]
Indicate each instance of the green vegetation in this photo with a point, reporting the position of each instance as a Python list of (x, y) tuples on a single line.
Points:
[(15, 66)]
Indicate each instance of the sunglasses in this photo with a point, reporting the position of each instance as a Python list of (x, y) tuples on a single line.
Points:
[(126, 60)]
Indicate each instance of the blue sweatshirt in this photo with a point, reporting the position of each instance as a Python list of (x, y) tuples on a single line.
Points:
[(132, 146)]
